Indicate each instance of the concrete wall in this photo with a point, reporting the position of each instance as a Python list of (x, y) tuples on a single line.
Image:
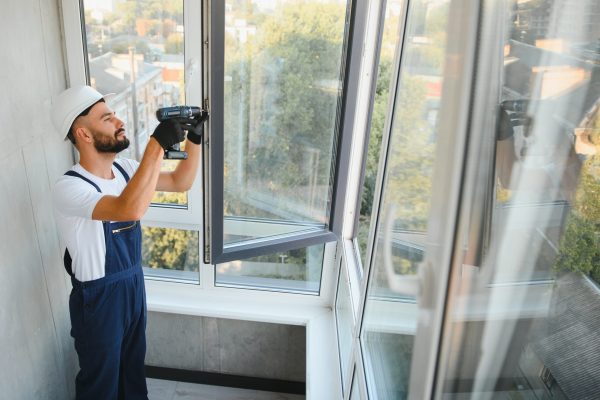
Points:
[(227, 346), (37, 357)]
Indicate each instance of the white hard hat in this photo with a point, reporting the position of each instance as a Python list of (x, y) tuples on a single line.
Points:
[(70, 103)]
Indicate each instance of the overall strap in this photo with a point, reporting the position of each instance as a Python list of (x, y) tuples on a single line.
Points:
[(78, 175), (122, 170), (68, 262)]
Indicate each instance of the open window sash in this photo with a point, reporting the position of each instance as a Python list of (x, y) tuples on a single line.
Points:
[(282, 102)]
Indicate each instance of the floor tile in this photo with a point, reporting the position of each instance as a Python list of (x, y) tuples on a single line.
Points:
[(159, 389), (189, 391)]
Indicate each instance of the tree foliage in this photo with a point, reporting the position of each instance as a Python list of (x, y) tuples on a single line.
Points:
[(411, 157), (579, 249), (137, 23), (170, 249), (282, 96)]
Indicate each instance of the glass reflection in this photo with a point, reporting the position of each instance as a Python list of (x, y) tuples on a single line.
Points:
[(391, 312), (289, 271), (525, 324)]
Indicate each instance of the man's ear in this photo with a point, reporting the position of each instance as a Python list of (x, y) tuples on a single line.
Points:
[(82, 134)]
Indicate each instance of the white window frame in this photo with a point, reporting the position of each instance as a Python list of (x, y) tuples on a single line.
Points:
[(357, 275)]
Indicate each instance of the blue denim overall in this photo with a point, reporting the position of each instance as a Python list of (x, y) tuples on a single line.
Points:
[(108, 317)]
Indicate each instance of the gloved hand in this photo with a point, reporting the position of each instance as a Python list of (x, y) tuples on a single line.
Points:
[(194, 127), (168, 133)]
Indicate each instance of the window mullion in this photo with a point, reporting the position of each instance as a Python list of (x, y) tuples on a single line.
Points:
[(74, 44)]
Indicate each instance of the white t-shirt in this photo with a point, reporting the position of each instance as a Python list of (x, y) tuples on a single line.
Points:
[(74, 201)]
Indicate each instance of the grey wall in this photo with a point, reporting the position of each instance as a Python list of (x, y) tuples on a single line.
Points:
[(37, 359), (226, 346)]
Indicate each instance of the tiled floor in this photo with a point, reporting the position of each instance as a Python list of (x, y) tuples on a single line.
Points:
[(170, 390)]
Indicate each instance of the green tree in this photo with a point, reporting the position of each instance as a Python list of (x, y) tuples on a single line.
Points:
[(282, 91), (579, 249), (174, 44), (410, 165), (170, 249), (380, 108)]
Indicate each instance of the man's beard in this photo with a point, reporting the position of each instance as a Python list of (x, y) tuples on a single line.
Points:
[(105, 144)]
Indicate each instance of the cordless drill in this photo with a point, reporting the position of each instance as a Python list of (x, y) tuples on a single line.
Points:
[(174, 152)]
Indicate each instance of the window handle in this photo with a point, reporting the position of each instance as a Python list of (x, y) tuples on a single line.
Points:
[(405, 285)]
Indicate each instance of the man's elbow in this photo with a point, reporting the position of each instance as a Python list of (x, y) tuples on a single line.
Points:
[(139, 214), (186, 187), (135, 211), (181, 186)]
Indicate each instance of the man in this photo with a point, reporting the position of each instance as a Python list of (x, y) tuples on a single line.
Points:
[(98, 205)]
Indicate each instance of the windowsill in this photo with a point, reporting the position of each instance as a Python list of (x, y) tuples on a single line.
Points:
[(321, 357)]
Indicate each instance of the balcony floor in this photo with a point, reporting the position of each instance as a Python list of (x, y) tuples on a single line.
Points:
[(170, 390)]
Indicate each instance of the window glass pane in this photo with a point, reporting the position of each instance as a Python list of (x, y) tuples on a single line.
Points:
[(387, 55), (135, 50), (282, 88), (345, 322), (525, 323), (290, 271), (170, 253), (391, 310)]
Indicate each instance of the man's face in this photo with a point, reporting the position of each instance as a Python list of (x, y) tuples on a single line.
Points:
[(107, 130)]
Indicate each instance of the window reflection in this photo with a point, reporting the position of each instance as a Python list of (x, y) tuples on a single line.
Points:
[(291, 271), (391, 310), (525, 325)]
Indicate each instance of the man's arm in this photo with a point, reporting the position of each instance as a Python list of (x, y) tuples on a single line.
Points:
[(182, 178), (135, 198)]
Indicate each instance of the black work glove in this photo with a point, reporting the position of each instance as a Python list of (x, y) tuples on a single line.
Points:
[(168, 133), (194, 127)]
